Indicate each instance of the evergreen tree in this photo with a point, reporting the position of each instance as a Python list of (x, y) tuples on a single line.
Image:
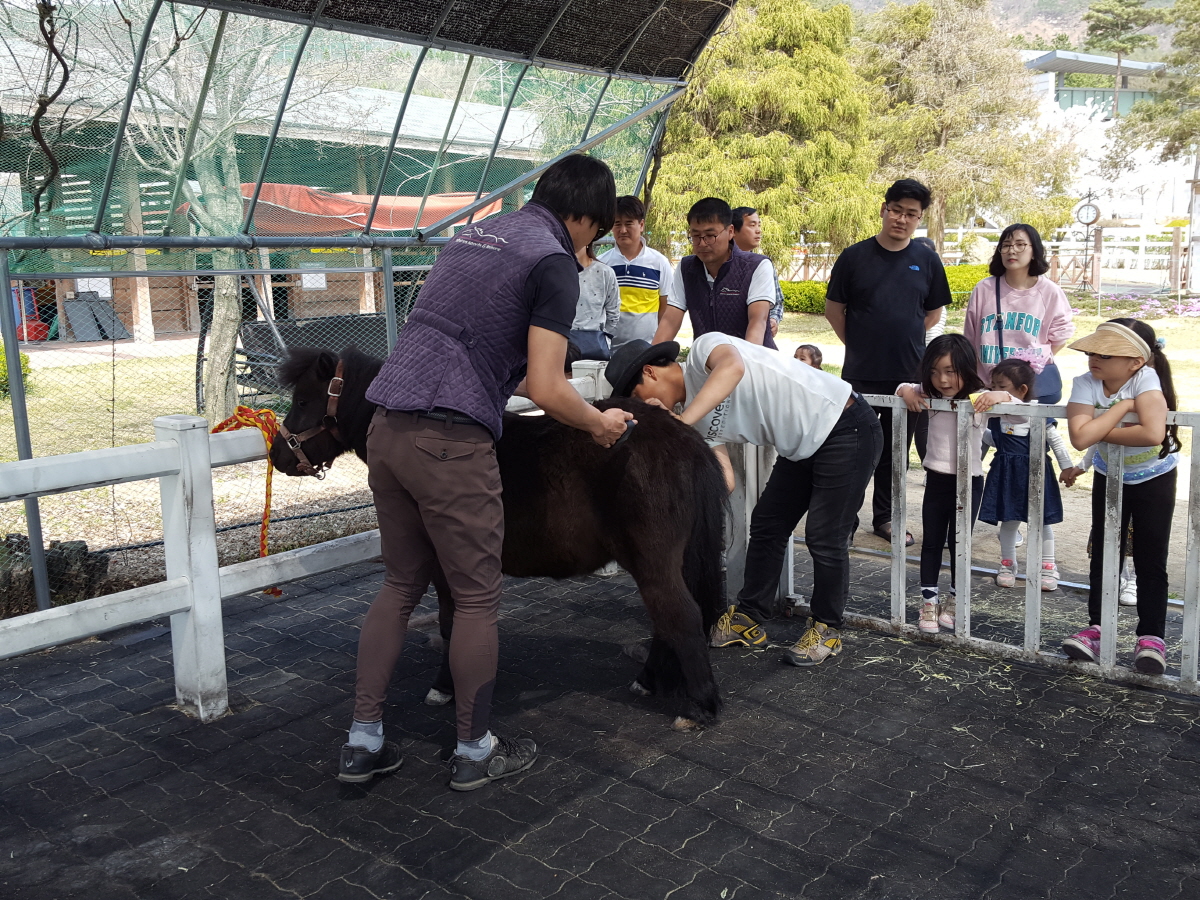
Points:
[(774, 118), (1171, 122), (1115, 26), (955, 108)]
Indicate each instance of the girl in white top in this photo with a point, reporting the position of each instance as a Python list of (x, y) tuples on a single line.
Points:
[(1128, 373), (949, 372), (599, 307)]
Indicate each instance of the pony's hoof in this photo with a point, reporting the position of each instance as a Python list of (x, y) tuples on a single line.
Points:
[(437, 698), (682, 723), (638, 651), (636, 687)]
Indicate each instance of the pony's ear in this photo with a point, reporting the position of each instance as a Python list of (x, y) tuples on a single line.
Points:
[(326, 365)]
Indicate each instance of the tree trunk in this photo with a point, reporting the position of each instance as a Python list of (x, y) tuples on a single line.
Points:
[(220, 381), (935, 222), (1116, 111)]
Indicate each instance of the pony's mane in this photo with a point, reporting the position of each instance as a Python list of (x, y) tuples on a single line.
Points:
[(302, 360)]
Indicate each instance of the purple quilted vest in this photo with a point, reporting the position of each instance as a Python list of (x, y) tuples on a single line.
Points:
[(722, 305), (465, 344)]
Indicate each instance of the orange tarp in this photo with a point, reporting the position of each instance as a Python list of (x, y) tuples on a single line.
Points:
[(291, 209)]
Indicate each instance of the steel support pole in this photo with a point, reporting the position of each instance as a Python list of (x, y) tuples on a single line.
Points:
[(16, 396), (283, 102), (389, 299), (535, 173), (437, 159), (123, 122), (655, 138), (595, 109), (512, 98), (194, 124), (387, 157)]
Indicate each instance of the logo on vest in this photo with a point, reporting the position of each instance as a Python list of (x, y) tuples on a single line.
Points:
[(915, 268), (475, 236)]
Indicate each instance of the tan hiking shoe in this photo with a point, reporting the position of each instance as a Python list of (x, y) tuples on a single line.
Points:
[(736, 629), (818, 643)]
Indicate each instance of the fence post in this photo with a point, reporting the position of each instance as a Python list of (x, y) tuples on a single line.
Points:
[(190, 544), (899, 451), (964, 412), (1035, 512), (1114, 479), (593, 369), (1191, 589)]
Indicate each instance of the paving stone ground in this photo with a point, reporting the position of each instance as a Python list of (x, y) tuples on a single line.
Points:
[(899, 770)]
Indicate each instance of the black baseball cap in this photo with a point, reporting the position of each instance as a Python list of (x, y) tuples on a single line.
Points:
[(626, 364)]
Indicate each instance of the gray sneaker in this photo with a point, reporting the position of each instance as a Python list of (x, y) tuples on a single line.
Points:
[(508, 757)]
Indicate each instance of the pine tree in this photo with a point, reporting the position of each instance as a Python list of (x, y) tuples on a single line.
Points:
[(1115, 26), (774, 118), (955, 109)]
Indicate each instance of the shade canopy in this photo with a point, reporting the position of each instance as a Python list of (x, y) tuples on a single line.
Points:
[(1069, 62), (656, 39)]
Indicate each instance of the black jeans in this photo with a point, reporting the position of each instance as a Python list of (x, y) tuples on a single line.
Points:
[(829, 486), (881, 502), (938, 510), (1150, 506)]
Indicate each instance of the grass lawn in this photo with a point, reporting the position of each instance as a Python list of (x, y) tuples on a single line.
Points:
[(75, 408)]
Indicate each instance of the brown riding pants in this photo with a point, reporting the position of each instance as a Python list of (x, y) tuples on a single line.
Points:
[(437, 493)]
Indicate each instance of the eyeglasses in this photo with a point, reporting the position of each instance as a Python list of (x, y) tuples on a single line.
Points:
[(703, 238), (903, 215), (1091, 355), (1016, 248)]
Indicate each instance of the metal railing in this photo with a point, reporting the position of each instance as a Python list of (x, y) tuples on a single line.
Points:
[(1031, 645)]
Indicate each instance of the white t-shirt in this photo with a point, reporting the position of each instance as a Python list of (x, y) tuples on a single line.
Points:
[(762, 285), (780, 402), (1141, 463)]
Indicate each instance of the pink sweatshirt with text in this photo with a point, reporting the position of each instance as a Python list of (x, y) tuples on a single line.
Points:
[(1034, 319)]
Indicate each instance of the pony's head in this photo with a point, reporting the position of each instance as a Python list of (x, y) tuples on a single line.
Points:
[(310, 439)]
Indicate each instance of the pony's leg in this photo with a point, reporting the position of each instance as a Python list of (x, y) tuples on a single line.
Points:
[(441, 693), (679, 657)]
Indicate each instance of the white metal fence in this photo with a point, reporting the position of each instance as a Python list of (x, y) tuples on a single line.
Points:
[(182, 458)]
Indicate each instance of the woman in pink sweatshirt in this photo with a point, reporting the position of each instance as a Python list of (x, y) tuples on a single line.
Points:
[(1018, 309)]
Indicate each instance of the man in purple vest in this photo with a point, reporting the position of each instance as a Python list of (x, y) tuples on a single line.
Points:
[(496, 307), (721, 287)]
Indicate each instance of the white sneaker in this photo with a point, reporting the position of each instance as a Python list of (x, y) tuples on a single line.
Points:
[(1020, 538), (1049, 577), (1128, 592), (929, 617), (947, 610), (1006, 575)]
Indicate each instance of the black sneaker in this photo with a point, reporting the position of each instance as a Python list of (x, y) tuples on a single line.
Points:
[(358, 764), (508, 757)]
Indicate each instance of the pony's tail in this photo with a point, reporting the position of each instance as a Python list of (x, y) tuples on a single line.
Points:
[(702, 571)]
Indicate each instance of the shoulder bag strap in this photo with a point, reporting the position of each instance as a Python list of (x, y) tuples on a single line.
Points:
[(999, 324)]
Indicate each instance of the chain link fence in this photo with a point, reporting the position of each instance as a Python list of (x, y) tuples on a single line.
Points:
[(181, 186)]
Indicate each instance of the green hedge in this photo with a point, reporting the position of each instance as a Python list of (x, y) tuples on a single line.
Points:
[(962, 281), (804, 296), (4, 375), (809, 296)]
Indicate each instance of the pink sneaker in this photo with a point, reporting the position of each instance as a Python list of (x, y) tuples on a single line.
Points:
[(1085, 645), (1049, 577), (1006, 575), (1150, 655)]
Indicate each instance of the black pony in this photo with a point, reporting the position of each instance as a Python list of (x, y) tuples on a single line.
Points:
[(655, 505)]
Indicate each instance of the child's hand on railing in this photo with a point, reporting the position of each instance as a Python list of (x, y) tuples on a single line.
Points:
[(985, 401), (914, 401)]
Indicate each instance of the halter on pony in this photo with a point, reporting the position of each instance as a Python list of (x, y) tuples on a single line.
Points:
[(328, 423)]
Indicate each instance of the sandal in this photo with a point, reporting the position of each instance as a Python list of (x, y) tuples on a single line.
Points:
[(885, 531)]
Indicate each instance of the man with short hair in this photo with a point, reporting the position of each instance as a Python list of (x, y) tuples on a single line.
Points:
[(828, 440), (721, 287), (497, 304), (883, 294), (747, 234), (643, 274)]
